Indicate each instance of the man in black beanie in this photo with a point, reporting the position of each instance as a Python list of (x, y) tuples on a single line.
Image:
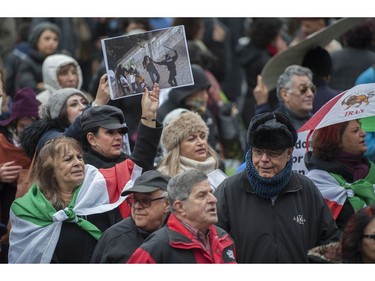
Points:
[(273, 214)]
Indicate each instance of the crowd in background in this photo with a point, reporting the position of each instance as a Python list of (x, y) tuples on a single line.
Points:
[(54, 88)]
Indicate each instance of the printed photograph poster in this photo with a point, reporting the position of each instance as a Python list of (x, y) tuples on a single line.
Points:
[(139, 60)]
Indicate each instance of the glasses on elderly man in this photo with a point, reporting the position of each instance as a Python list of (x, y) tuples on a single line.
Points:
[(145, 202), (370, 236), (273, 154), (304, 87)]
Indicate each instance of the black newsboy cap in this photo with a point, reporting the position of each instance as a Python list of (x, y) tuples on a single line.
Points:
[(105, 116), (148, 182), (271, 131)]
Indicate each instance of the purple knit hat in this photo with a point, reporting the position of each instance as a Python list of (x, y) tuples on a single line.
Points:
[(24, 104)]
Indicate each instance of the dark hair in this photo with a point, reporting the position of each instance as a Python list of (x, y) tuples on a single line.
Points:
[(358, 37), (319, 61), (205, 59), (326, 142), (63, 118), (264, 30), (85, 142), (142, 23), (145, 58), (192, 26), (353, 234)]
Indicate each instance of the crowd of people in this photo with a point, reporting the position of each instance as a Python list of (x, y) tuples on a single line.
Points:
[(87, 179)]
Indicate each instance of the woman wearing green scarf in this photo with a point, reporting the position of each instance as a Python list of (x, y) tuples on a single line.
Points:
[(61, 217), (65, 212), (340, 170)]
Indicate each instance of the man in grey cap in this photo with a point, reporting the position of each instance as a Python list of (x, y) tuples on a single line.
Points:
[(149, 203), (274, 214)]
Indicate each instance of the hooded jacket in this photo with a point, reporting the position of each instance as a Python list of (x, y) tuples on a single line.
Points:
[(330, 253), (51, 66)]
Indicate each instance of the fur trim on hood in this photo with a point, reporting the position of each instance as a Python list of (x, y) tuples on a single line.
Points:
[(31, 135), (330, 253)]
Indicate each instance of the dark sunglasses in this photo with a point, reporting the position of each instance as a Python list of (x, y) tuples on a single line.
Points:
[(303, 89), (145, 202), (370, 236)]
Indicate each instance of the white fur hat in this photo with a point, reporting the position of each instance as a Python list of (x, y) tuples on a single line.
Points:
[(180, 128)]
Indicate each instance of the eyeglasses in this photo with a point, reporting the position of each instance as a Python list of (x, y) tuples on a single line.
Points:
[(303, 89), (273, 154), (370, 236), (145, 202)]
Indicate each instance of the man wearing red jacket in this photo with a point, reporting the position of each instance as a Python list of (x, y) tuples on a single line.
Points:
[(190, 235)]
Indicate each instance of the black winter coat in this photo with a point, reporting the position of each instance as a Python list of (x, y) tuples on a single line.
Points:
[(118, 242), (279, 231), (30, 71)]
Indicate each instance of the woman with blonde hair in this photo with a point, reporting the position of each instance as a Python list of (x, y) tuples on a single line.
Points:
[(185, 146)]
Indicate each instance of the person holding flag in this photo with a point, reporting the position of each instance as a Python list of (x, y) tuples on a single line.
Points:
[(70, 204), (338, 167), (335, 151)]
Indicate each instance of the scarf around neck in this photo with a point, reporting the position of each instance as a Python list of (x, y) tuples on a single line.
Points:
[(36, 224), (206, 166), (355, 165), (360, 193), (267, 188), (47, 214)]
